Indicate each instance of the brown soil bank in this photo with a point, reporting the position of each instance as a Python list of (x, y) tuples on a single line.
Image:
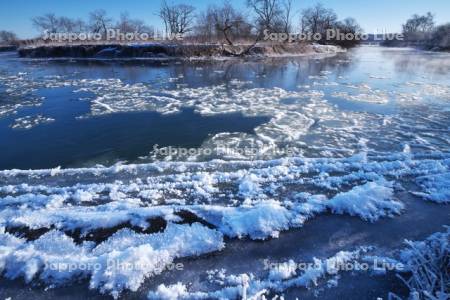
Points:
[(162, 51)]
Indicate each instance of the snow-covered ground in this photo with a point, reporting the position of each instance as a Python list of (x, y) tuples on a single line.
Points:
[(262, 199), (427, 260)]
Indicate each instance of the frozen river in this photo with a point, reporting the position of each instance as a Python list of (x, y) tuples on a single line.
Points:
[(220, 167)]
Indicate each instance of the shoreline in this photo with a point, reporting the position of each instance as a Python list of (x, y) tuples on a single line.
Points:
[(164, 52), (415, 45), (7, 48)]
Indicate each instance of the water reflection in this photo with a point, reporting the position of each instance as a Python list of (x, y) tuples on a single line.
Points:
[(370, 98)]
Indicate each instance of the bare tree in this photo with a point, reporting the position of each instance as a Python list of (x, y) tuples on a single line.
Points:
[(124, 24), (140, 26), (441, 36), (204, 27), (224, 19), (185, 17), (66, 24), (348, 26), (351, 25), (227, 22), (165, 15), (52, 23), (419, 27), (127, 24), (79, 25), (8, 37), (178, 19), (99, 21), (287, 15), (48, 22), (268, 13), (318, 19)]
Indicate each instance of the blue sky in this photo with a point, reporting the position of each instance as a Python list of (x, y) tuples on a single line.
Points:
[(373, 15)]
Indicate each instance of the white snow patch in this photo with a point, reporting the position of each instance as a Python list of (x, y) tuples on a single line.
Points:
[(123, 261), (369, 201), (29, 122), (435, 187)]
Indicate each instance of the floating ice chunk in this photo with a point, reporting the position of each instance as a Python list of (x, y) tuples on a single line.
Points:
[(435, 187), (378, 77), (424, 89), (369, 201), (49, 257), (34, 201), (149, 254), (320, 77), (375, 96), (302, 120), (171, 292), (249, 186), (87, 218), (121, 262), (41, 205), (29, 122), (265, 219), (283, 271), (83, 196), (239, 83)]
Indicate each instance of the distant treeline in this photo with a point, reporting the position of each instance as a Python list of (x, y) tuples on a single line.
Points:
[(421, 31), (218, 23)]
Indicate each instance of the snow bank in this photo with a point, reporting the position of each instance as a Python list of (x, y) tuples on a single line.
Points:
[(235, 198), (369, 201), (172, 292), (238, 201), (166, 51), (233, 286), (123, 261), (435, 187), (263, 220), (426, 260)]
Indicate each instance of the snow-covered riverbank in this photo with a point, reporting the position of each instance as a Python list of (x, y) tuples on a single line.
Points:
[(163, 51)]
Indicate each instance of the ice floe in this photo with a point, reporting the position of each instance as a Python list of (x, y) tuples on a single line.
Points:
[(435, 187), (303, 120), (237, 198), (376, 96), (369, 201), (121, 262), (29, 122)]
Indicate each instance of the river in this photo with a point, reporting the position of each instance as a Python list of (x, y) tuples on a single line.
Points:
[(219, 166)]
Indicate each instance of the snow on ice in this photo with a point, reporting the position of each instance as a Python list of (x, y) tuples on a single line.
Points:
[(233, 199)]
